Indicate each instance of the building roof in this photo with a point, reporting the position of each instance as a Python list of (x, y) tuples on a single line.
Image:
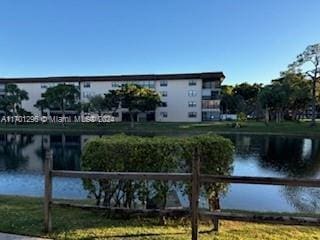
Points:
[(216, 76)]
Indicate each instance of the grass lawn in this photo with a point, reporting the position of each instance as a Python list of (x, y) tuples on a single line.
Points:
[(293, 128), (23, 215)]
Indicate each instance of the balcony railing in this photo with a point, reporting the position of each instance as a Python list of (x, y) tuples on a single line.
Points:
[(210, 104)]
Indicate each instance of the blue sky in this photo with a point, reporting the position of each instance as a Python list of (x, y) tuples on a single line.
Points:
[(249, 40)]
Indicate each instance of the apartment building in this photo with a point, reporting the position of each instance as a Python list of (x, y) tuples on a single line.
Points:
[(186, 97)]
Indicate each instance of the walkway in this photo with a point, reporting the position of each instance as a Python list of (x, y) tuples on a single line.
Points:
[(5, 236)]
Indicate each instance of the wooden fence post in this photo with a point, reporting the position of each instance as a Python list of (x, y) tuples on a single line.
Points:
[(195, 194), (47, 191), (215, 221)]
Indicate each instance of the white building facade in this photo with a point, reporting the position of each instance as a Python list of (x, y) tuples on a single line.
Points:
[(187, 97)]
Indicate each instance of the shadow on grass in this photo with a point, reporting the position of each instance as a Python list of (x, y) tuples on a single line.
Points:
[(91, 224), (135, 236)]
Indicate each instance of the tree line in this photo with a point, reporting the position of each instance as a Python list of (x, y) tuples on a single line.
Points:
[(288, 97), (64, 97), (294, 95)]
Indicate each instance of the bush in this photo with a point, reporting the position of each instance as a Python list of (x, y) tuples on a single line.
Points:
[(216, 156), (121, 153), (241, 117)]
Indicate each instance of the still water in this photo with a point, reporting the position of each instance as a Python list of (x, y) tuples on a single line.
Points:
[(21, 166)]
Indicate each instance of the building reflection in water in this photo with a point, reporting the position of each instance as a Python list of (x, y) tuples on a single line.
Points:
[(256, 155)]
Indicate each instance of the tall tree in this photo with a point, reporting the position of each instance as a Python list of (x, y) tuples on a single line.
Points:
[(240, 98), (310, 55), (111, 101), (274, 98), (247, 96), (11, 102), (42, 104), (228, 102), (266, 99), (62, 97), (137, 99), (287, 96), (99, 104), (96, 104), (299, 91)]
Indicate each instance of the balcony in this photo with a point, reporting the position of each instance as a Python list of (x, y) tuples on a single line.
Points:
[(210, 84), (209, 94), (210, 104)]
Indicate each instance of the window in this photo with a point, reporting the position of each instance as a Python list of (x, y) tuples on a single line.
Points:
[(192, 93), (152, 84), (86, 84), (163, 93), (163, 83), (164, 114), (87, 94), (44, 85), (210, 104), (210, 116), (192, 82), (192, 104), (163, 104), (192, 114), (210, 84)]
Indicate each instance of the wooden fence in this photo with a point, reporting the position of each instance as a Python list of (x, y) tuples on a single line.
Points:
[(196, 179)]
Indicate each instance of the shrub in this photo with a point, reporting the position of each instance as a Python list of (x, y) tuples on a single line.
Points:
[(241, 117), (216, 156), (121, 153)]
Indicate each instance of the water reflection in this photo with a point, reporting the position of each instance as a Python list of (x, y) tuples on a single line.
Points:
[(286, 156), (279, 156), (11, 151), (303, 199), (20, 152), (22, 156)]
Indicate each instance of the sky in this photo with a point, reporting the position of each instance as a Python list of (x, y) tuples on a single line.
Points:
[(249, 40)]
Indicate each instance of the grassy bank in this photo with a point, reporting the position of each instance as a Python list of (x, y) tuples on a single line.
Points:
[(293, 128), (22, 215)]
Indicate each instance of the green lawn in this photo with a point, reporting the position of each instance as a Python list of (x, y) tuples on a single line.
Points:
[(294, 128), (22, 215)]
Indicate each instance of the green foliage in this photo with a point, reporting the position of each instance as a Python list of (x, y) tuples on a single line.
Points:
[(137, 99), (288, 96), (42, 104), (241, 117), (95, 104), (11, 102), (63, 97), (228, 102), (247, 91), (111, 101), (240, 98), (121, 153), (309, 58), (216, 157), (99, 104)]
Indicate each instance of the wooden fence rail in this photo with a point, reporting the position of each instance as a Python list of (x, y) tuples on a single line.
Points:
[(124, 175), (205, 178), (196, 179)]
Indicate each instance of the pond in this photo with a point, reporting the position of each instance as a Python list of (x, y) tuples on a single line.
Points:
[(21, 167)]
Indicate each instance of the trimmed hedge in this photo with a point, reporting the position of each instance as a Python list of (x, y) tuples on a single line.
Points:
[(122, 153)]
